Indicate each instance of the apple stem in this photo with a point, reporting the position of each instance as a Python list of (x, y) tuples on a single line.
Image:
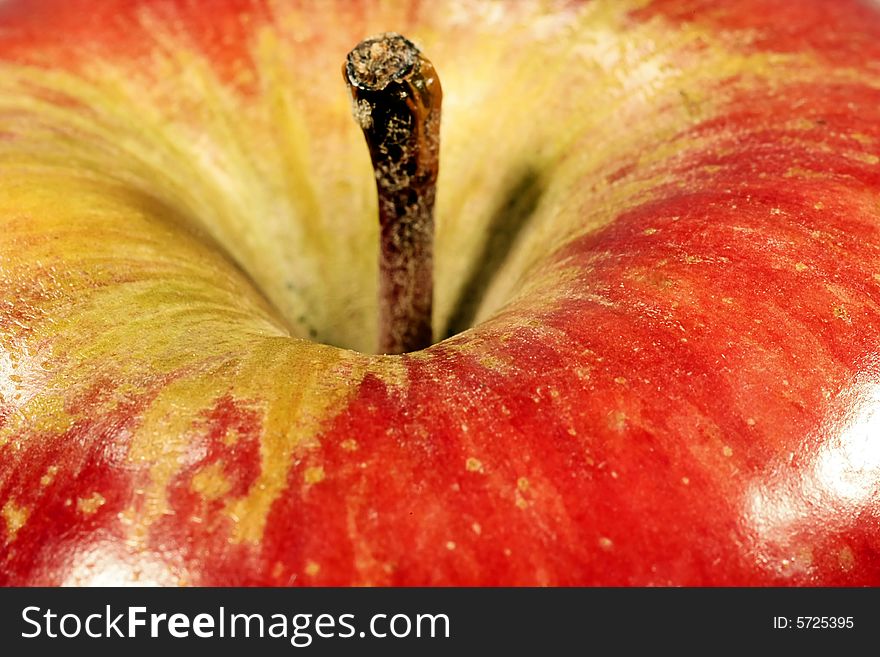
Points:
[(396, 98)]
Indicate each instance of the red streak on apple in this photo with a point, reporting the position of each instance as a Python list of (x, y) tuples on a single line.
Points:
[(78, 501), (688, 393), (847, 38), (68, 34)]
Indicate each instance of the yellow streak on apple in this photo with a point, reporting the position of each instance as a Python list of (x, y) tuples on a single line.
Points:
[(15, 517), (195, 232)]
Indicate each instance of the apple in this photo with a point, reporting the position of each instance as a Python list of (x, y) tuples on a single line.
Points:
[(656, 303)]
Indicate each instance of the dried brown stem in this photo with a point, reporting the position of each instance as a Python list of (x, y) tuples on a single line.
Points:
[(396, 99)]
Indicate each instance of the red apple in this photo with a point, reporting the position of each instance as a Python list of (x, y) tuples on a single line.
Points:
[(657, 256)]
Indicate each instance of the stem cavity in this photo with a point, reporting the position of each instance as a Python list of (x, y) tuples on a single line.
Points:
[(396, 99)]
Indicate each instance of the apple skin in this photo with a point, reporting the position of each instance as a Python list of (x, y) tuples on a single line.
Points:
[(672, 379)]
